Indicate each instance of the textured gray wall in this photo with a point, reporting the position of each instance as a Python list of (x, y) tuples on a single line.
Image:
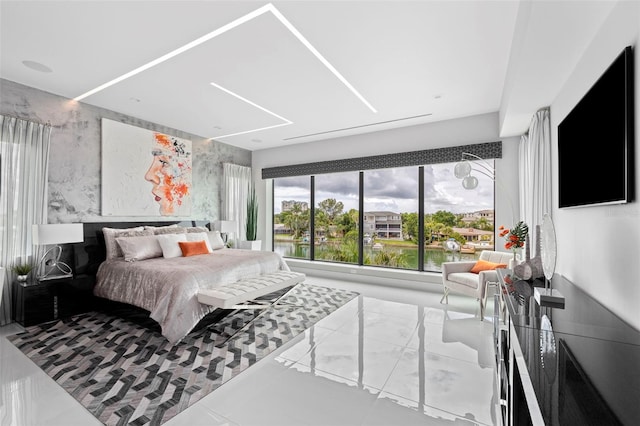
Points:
[(75, 157)]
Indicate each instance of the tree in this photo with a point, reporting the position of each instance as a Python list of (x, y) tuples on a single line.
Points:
[(346, 252), (296, 220), (483, 224), (327, 214), (349, 221), (331, 208), (444, 217), (410, 225)]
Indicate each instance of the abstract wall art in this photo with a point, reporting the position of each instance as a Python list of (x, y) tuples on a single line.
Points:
[(144, 173)]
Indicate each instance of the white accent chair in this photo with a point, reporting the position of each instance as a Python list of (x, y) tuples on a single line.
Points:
[(457, 277)]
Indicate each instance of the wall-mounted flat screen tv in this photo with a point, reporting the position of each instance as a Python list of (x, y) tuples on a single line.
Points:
[(596, 142)]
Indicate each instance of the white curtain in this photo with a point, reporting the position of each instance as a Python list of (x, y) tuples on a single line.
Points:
[(535, 171), (24, 163), (236, 190)]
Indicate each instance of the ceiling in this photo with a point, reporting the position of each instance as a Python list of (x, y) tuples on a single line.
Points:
[(259, 75)]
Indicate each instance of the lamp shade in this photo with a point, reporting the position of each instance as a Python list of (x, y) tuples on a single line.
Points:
[(226, 226), (58, 233)]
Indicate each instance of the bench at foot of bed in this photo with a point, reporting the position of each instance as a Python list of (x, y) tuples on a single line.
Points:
[(232, 295), (243, 294)]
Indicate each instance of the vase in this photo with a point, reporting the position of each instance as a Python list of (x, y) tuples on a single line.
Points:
[(22, 278), (250, 245), (514, 262)]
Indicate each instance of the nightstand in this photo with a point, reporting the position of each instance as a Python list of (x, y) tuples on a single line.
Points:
[(37, 301)]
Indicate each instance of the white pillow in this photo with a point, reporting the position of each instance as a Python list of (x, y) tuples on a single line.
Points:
[(139, 248), (215, 240), (199, 236), (169, 244)]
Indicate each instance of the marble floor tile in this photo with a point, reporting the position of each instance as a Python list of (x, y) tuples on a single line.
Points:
[(391, 356)]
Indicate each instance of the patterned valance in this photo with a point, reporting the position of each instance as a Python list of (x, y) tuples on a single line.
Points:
[(486, 150)]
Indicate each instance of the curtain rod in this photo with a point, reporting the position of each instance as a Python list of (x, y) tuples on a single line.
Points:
[(48, 123), (546, 108)]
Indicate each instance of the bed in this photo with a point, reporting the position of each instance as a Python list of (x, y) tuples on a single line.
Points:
[(167, 287)]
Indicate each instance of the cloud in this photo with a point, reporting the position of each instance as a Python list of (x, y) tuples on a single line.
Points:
[(339, 184), (393, 190)]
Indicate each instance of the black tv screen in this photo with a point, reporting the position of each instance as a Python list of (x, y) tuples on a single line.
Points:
[(595, 141)]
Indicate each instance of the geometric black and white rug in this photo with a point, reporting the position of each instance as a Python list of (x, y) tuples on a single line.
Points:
[(124, 372)]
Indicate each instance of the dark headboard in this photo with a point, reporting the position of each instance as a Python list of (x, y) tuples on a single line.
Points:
[(89, 254)]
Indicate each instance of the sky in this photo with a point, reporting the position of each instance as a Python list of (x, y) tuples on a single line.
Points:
[(392, 190)]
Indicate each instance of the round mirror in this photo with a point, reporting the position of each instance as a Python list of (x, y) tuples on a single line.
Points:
[(548, 246)]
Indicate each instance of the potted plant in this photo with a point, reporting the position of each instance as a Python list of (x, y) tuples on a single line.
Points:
[(22, 270), (252, 222)]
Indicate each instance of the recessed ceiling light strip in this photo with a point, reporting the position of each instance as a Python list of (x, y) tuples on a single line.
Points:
[(286, 122), (317, 54), (246, 18), (194, 43), (249, 102), (249, 131), (358, 127)]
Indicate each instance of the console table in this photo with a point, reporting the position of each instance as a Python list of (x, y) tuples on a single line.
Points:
[(563, 365)]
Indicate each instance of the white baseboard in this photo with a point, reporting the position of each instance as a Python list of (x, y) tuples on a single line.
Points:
[(414, 280)]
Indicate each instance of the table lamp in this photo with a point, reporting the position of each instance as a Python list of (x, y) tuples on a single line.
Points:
[(226, 228), (49, 234)]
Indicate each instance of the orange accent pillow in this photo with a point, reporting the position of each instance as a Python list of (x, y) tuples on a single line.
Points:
[(483, 265), (192, 248)]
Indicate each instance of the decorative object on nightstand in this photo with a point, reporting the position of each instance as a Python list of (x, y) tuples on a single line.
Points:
[(22, 271), (50, 265), (227, 229), (547, 296)]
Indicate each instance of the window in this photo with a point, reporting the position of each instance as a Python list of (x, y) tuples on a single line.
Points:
[(393, 212), (291, 210), (336, 217), (388, 195), (454, 213)]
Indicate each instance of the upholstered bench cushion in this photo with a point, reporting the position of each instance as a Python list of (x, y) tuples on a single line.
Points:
[(468, 279), (229, 295)]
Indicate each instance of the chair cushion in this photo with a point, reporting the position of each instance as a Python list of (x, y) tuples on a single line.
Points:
[(496, 256), (468, 279), (483, 265)]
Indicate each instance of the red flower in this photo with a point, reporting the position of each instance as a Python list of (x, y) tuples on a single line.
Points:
[(515, 236)]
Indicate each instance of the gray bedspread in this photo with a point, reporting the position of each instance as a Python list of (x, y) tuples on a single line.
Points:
[(168, 288)]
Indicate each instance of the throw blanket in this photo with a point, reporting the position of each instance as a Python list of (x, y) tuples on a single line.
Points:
[(168, 288)]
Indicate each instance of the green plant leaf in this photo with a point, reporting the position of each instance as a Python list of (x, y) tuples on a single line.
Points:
[(252, 214)]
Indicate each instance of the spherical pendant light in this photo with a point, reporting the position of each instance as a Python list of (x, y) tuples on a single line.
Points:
[(462, 169), (470, 182)]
